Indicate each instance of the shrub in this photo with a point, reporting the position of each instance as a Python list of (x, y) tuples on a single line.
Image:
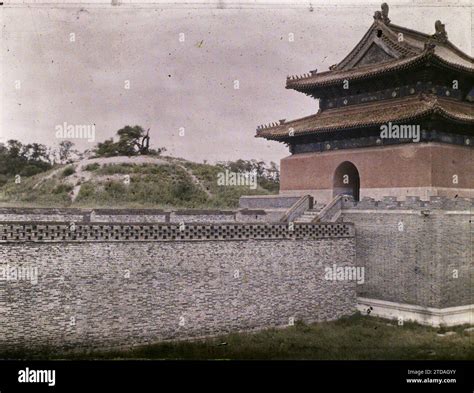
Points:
[(30, 170), (92, 167), (68, 171), (114, 169), (3, 180), (62, 189)]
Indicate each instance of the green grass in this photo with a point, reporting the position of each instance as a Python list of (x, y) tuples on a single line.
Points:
[(226, 196), (52, 192), (150, 185), (166, 185), (357, 337)]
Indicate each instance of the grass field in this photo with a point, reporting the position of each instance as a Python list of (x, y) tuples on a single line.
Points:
[(356, 337), (171, 183)]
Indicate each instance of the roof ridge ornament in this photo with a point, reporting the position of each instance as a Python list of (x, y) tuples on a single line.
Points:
[(385, 17), (441, 35), (430, 45), (382, 16)]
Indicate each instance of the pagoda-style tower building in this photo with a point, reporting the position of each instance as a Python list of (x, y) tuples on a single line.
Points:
[(395, 118)]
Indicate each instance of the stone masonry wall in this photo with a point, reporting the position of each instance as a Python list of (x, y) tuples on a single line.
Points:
[(137, 215), (415, 252), (267, 201), (98, 293), (202, 216)]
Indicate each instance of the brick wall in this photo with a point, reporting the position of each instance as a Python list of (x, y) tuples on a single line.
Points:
[(138, 215), (267, 201), (97, 293), (415, 252), (202, 216), (383, 167)]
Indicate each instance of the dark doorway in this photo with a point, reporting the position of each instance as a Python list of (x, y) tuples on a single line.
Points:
[(346, 180)]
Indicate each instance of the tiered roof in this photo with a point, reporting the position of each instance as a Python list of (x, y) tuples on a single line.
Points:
[(384, 50), (442, 58), (372, 114)]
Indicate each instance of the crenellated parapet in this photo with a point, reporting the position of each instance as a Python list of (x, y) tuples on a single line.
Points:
[(410, 203)]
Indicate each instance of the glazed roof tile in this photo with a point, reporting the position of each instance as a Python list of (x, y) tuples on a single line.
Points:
[(414, 49), (399, 110)]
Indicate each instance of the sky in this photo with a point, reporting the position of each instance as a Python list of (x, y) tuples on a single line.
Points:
[(72, 63)]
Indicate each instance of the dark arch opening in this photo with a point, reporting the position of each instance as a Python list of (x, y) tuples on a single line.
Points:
[(346, 180)]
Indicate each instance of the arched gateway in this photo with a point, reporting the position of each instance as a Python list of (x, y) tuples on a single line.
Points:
[(346, 180)]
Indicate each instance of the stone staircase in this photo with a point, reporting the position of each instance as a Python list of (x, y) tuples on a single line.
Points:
[(310, 214)]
